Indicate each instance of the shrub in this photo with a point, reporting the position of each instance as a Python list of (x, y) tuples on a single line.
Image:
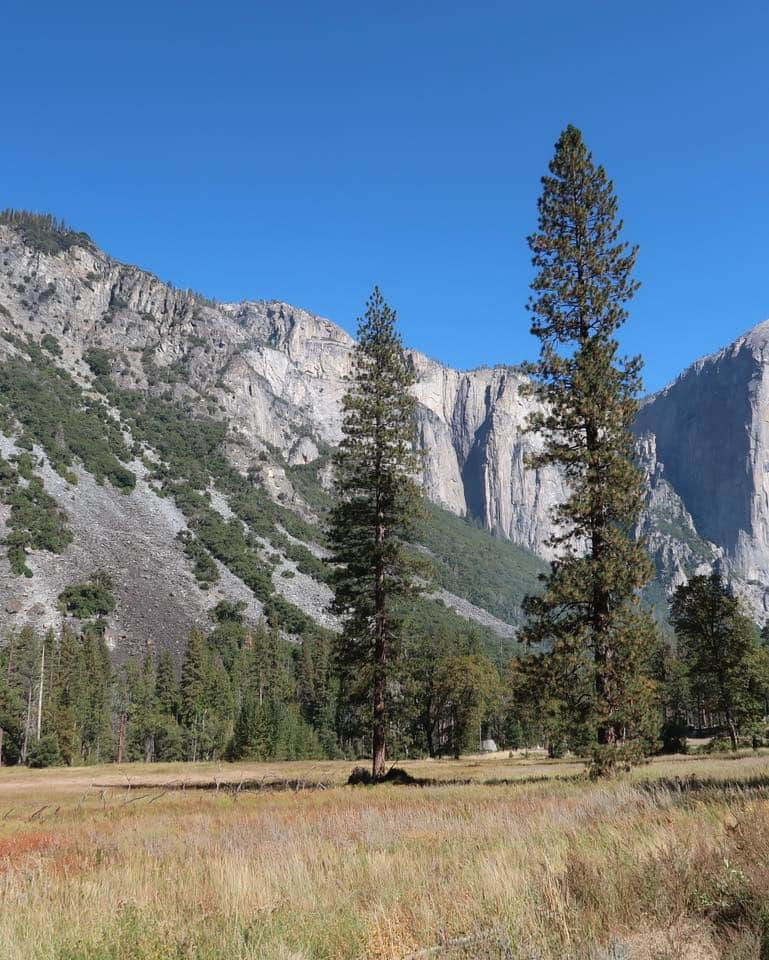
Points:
[(99, 360), (51, 344), (85, 601), (45, 752), (228, 611), (203, 565), (36, 523)]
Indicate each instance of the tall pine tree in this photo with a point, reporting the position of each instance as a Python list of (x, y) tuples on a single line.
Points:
[(589, 614), (377, 504)]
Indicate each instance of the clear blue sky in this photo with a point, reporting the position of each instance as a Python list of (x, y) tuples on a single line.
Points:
[(307, 150)]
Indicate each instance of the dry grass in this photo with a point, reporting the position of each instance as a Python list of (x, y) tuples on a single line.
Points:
[(530, 860)]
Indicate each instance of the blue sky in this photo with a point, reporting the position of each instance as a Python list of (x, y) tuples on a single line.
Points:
[(305, 151)]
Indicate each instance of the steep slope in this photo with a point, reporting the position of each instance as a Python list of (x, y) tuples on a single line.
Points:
[(277, 373), (711, 432), (187, 441)]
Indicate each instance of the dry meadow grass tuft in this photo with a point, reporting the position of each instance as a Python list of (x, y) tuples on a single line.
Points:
[(495, 858)]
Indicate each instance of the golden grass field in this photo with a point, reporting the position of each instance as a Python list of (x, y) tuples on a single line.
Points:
[(498, 858)]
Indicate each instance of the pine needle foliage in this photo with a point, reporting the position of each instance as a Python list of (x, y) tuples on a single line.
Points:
[(589, 616), (377, 506)]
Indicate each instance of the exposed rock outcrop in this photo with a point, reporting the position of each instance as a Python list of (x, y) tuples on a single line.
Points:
[(711, 430), (278, 375)]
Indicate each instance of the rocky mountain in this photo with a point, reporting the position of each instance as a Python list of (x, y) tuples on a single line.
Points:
[(184, 446), (271, 376), (711, 432)]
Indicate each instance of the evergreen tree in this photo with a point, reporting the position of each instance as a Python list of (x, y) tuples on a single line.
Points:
[(10, 715), (142, 713), (315, 687), (220, 709), (69, 695), (49, 665), (168, 736), (45, 751), (589, 614), (720, 647), (467, 686), (675, 693), (206, 699), (435, 698), (167, 689), (23, 680), (550, 708), (377, 504), (290, 737), (96, 720), (195, 669), (230, 632), (251, 736)]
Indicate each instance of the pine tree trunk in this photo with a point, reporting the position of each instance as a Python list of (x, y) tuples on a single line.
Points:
[(121, 738), (25, 744), (429, 738), (40, 697), (605, 733), (380, 665)]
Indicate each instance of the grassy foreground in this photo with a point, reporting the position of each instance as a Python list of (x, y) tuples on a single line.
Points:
[(497, 858)]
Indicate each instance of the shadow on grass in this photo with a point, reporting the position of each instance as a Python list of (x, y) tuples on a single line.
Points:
[(296, 785), (684, 786), (715, 786)]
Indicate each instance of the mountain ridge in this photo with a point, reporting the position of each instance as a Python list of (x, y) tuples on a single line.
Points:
[(261, 367), (269, 378)]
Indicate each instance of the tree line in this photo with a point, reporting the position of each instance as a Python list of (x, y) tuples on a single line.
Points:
[(237, 691)]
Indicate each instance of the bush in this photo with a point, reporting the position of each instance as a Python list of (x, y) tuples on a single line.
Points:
[(203, 565), (36, 523), (228, 611), (719, 745), (99, 361), (51, 344), (91, 599), (45, 753)]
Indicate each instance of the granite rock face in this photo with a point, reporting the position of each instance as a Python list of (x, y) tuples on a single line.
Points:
[(677, 549), (711, 432)]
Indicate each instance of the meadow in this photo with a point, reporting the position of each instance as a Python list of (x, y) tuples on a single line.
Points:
[(491, 857)]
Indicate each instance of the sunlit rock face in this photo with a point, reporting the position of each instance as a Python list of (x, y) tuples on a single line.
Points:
[(711, 432)]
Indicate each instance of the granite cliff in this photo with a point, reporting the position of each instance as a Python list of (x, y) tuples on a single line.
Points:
[(711, 432)]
